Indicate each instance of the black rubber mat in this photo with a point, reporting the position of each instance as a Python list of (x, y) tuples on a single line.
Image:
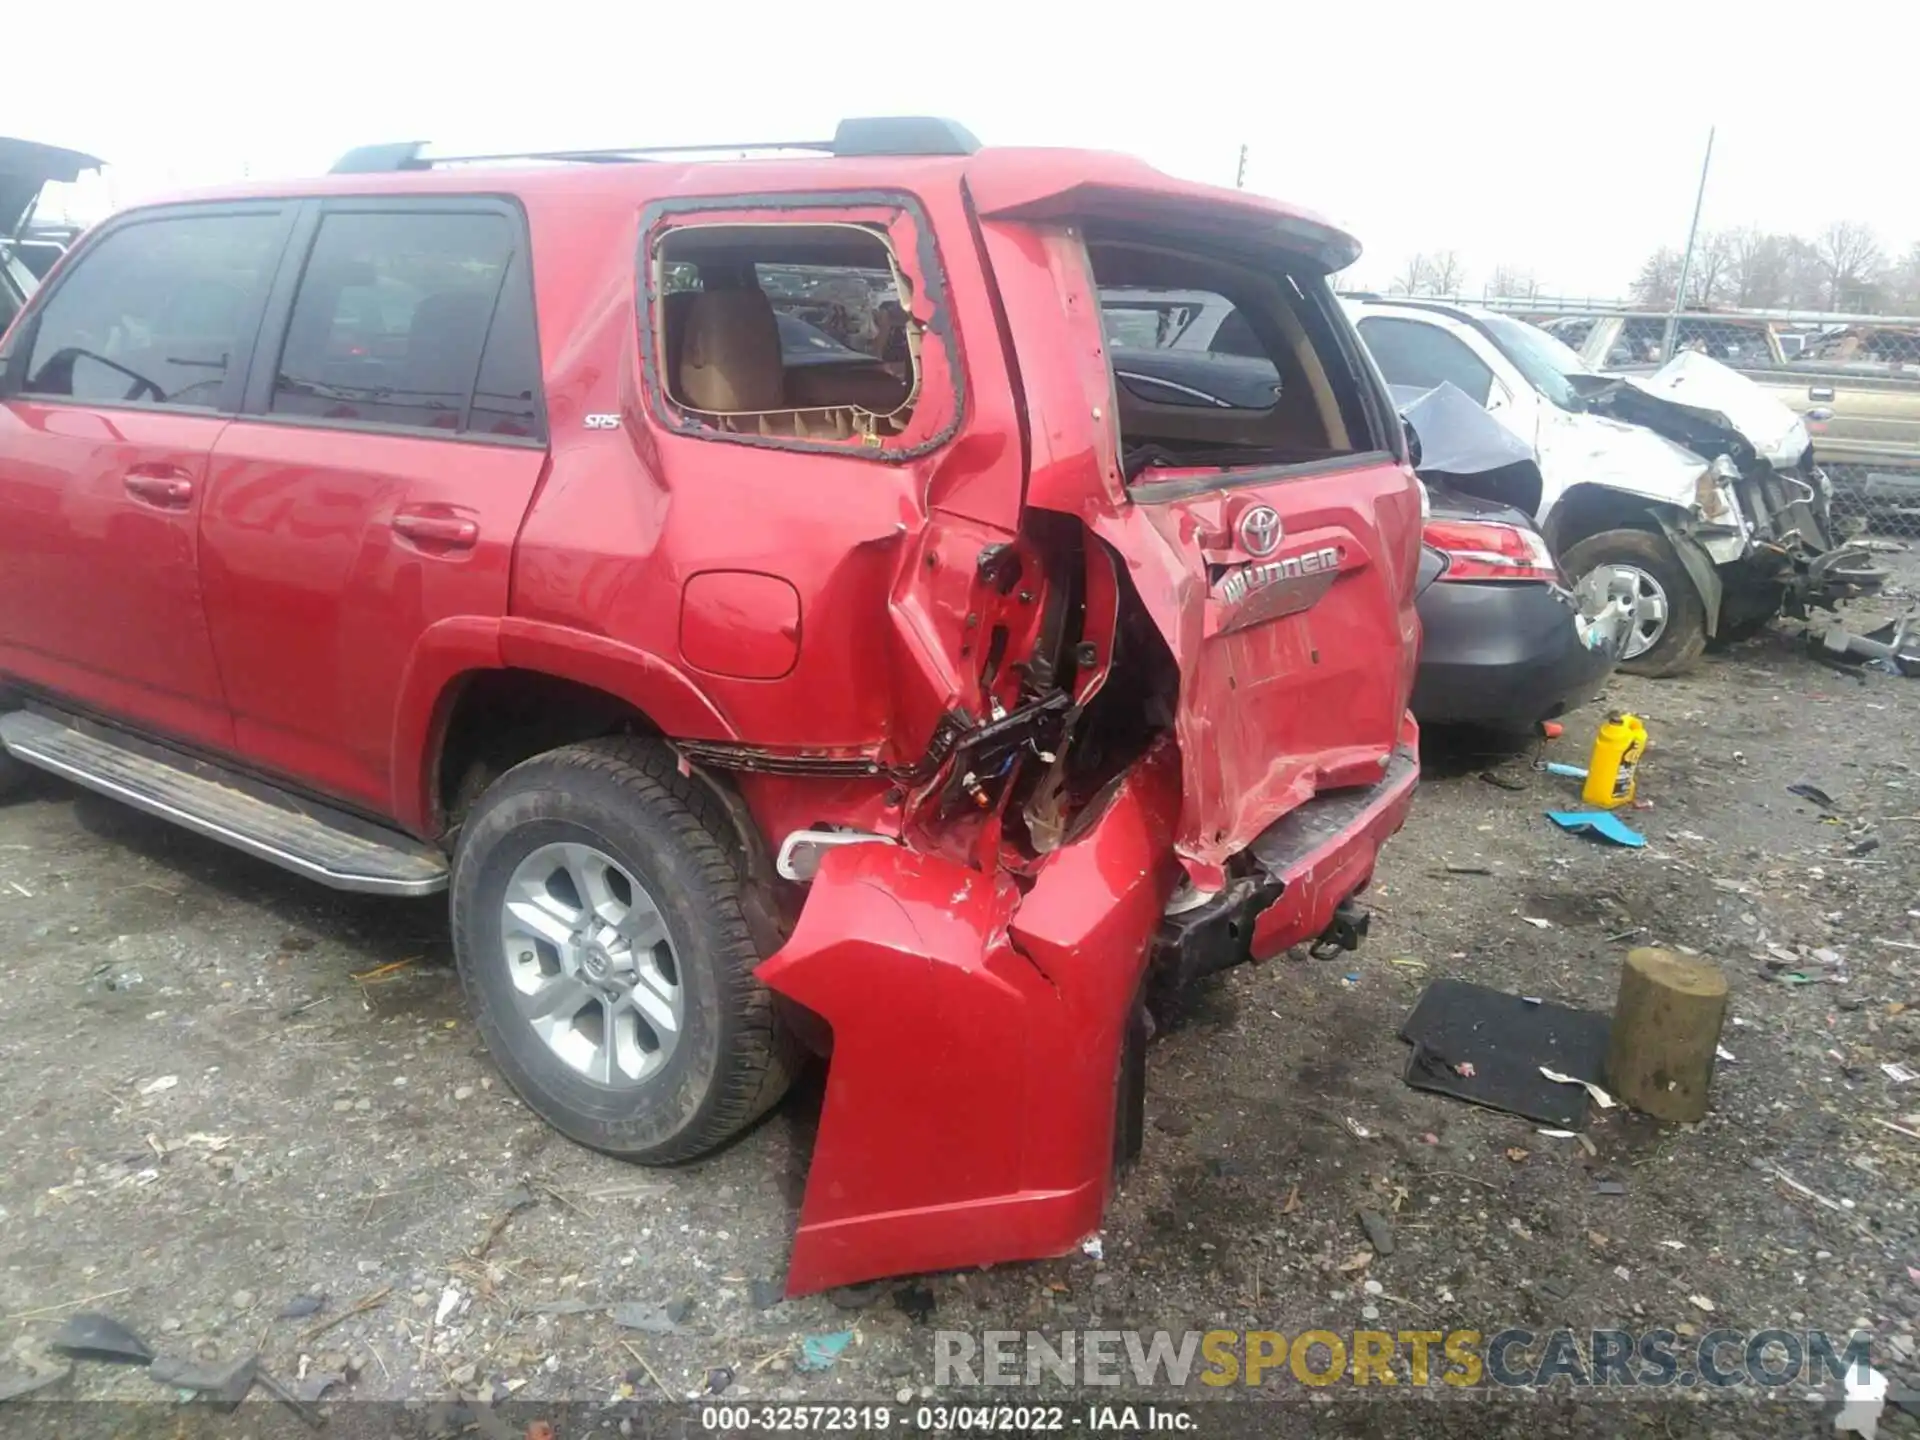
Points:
[(1505, 1039)]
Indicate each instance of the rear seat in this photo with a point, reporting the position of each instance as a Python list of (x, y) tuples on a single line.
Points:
[(725, 347)]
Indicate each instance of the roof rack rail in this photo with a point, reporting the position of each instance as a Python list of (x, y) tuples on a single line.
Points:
[(869, 136)]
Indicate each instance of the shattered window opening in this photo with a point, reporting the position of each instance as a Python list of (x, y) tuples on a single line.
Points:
[(1218, 363), (801, 330)]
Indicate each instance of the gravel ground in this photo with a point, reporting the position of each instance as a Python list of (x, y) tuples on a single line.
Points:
[(230, 1089)]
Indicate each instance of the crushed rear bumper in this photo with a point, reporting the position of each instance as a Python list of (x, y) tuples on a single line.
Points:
[(978, 1041), (1309, 863), (985, 1068)]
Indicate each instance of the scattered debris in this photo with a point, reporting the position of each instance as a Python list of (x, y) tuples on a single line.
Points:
[(377, 1298), (1700, 1302), (1468, 870), (1516, 1154), (1292, 1202), (1092, 1248), (719, 1380), (1600, 824), (1898, 1073), (652, 1317), (13, 1386), (162, 1083), (1355, 1128), (915, 1301), (1609, 1187), (764, 1294), (1465, 1070), (818, 1352), (225, 1382), (1810, 1193), (301, 1306), (1600, 1097), (313, 1386), (1378, 1230), (1557, 1134), (1536, 922), (1813, 793), (92, 1336), (1356, 1262), (573, 1306)]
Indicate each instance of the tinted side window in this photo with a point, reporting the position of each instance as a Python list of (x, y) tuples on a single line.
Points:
[(506, 399), (391, 317), (153, 313), (1420, 356)]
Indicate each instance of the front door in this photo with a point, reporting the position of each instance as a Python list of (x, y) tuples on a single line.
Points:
[(375, 482), (116, 387)]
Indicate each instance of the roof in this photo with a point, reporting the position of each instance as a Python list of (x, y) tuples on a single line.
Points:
[(1009, 182)]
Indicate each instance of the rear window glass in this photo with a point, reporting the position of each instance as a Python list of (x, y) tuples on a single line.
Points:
[(410, 320), (1216, 364)]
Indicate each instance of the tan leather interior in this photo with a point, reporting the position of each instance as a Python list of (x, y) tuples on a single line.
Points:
[(730, 353)]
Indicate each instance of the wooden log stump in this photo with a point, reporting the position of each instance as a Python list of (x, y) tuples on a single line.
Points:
[(1666, 1028)]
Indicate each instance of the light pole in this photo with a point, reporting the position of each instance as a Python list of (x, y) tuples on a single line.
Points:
[(1686, 259)]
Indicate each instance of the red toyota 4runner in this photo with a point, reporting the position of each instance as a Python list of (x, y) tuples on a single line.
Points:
[(748, 587)]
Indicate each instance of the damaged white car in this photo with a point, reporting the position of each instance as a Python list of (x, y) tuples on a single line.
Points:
[(1691, 484)]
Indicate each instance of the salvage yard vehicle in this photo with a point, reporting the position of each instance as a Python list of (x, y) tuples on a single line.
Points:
[(472, 526), (1855, 381), (26, 169), (1506, 642), (1691, 484)]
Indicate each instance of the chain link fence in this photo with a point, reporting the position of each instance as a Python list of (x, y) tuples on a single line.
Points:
[(1855, 379)]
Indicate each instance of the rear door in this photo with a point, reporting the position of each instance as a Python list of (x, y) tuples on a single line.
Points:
[(1274, 539), (390, 442), (116, 388)]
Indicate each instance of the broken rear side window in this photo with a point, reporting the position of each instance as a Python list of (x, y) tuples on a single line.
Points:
[(1217, 362), (803, 332)]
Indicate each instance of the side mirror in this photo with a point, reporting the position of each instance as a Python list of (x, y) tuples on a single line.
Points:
[(1413, 442)]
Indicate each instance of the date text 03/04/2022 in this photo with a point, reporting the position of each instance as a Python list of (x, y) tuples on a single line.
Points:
[(949, 1419)]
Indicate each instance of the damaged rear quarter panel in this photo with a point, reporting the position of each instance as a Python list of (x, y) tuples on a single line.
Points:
[(977, 1036)]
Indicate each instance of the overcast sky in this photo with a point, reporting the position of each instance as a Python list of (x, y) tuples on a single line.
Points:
[(1557, 138)]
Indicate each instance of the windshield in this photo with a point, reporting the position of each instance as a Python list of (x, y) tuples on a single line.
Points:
[(1543, 360)]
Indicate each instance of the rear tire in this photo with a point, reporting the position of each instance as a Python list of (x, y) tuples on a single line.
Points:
[(1675, 645), (621, 1005)]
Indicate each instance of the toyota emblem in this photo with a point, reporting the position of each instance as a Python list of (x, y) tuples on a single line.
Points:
[(1260, 530)]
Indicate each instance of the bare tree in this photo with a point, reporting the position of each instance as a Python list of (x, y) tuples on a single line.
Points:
[(1905, 289), (1412, 280), (1757, 269), (1806, 283), (1850, 261), (1708, 275), (1445, 274), (1659, 278), (1513, 282)]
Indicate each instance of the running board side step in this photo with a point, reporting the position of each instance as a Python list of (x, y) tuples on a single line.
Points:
[(304, 836)]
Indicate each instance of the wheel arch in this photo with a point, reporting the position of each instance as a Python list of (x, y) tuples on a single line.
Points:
[(498, 691)]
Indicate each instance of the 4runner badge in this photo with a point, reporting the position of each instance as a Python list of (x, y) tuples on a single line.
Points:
[(1314, 569), (1260, 530)]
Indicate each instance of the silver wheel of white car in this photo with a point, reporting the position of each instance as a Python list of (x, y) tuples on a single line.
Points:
[(1669, 621), (1649, 609)]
